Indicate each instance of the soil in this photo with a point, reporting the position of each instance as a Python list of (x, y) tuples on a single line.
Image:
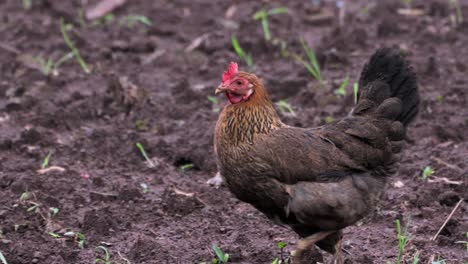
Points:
[(146, 87)]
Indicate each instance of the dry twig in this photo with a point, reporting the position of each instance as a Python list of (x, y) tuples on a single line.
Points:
[(446, 220)]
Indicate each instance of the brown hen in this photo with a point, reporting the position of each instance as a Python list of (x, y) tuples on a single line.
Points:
[(316, 180)]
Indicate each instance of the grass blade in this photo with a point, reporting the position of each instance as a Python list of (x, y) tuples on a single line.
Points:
[(3, 259), (76, 52), (279, 10)]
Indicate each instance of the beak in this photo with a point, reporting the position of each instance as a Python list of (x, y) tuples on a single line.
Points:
[(221, 88)]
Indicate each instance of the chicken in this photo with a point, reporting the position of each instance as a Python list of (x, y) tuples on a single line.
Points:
[(316, 180)]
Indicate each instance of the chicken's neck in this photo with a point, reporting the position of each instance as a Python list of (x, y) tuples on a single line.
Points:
[(241, 123)]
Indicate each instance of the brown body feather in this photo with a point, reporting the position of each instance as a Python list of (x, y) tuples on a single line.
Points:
[(323, 178)]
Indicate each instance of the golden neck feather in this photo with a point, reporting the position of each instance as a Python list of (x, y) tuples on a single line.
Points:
[(240, 123)]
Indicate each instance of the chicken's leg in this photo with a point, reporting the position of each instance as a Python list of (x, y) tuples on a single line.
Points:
[(306, 244), (338, 256)]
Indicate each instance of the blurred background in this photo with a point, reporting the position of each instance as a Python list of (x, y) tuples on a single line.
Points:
[(107, 112)]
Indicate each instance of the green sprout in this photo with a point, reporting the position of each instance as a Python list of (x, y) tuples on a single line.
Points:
[(312, 65), (215, 101), (35, 207), (342, 89), (329, 119), (144, 186), (76, 53), (24, 196), (262, 15), (3, 259), (281, 245), (283, 46), (80, 238), (27, 4), (440, 98), (143, 153), (49, 67), (222, 257), (141, 124), (81, 17), (132, 20), (107, 19), (403, 239), (53, 211), (355, 91), (285, 107), (187, 166), (107, 256), (439, 261), (428, 171), (45, 162), (55, 235), (457, 18), (240, 52)]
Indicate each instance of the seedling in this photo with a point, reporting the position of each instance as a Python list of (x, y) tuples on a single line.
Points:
[(79, 238), (283, 46), (355, 92), (416, 258), (440, 98), (55, 235), (187, 166), (262, 15), (144, 186), (281, 245), (457, 18), (53, 211), (107, 256), (342, 89), (439, 261), (215, 102), (50, 67), (222, 257), (312, 65), (285, 107), (428, 171), (76, 53), (403, 239), (81, 17), (329, 119), (107, 19), (143, 152), (24, 196), (27, 4), (141, 124), (35, 207), (3, 259), (45, 163), (240, 52), (132, 20)]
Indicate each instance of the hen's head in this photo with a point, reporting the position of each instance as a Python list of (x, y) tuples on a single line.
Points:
[(239, 86)]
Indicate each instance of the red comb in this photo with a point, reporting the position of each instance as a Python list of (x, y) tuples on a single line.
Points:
[(232, 71)]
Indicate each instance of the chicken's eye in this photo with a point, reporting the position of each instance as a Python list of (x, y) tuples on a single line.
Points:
[(239, 82)]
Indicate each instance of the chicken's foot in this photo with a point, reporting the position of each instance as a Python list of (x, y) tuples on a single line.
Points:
[(306, 244), (338, 257)]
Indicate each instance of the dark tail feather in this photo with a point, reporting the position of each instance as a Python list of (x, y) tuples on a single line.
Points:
[(388, 75)]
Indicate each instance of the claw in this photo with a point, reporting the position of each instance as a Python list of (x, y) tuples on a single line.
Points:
[(216, 181)]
